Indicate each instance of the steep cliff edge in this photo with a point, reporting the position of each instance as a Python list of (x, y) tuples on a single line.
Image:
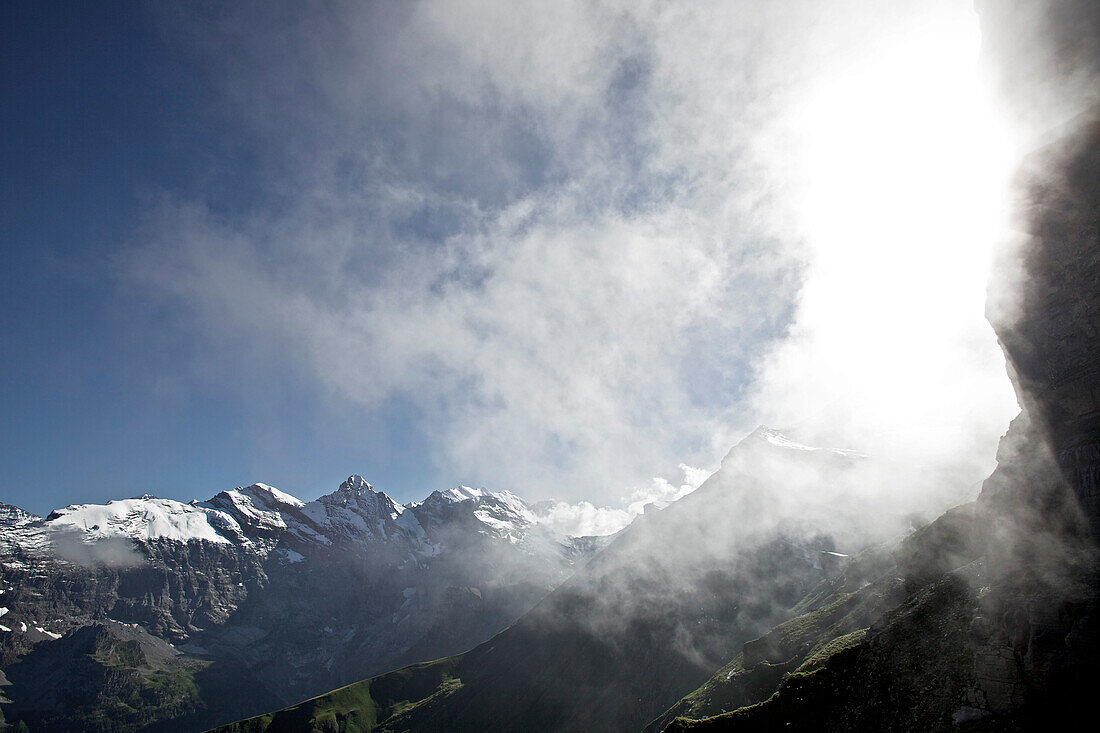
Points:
[(1051, 335), (1044, 300)]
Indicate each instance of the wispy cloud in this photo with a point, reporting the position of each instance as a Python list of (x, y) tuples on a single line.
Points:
[(585, 519), (582, 240)]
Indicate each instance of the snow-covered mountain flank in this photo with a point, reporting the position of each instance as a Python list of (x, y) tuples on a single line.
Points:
[(261, 517), (288, 598)]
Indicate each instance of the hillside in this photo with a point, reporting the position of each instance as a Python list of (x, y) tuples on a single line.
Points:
[(672, 598)]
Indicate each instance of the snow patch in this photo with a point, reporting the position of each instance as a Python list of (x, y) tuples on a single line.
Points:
[(463, 493), (289, 557), (778, 439)]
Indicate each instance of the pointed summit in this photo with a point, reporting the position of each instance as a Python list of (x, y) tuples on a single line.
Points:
[(356, 485), (782, 440)]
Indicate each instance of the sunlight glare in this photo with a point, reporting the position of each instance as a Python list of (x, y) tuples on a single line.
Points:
[(904, 169)]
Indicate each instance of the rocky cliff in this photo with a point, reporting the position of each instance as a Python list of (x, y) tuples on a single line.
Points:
[(1044, 302)]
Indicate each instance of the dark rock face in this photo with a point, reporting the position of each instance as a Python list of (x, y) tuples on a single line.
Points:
[(1045, 303), (1053, 343), (1035, 628), (176, 590), (1042, 504), (1030, 633)]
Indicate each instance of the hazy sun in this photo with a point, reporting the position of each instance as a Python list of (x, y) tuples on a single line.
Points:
[(902, 171)]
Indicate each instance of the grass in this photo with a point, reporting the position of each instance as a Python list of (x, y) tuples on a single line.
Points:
[(877, 679), (363, 706)]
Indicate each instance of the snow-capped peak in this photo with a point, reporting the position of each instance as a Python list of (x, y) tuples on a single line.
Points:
[(13, 516), (259, 507), (502, 513), (356, 512), (460, 494), (779, 440), (463, 493), (143, 518), (356, 485), (271, 495), (358, 495)]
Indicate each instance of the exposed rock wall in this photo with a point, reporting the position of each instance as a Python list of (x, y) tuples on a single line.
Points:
[(1044, 300), (1035, 628)]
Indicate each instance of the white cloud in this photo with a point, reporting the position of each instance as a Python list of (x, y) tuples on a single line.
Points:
[(589, 241), (584, 519), (902, 170)]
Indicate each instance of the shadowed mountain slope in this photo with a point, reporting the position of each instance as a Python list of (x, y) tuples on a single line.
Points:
[(649, 618)]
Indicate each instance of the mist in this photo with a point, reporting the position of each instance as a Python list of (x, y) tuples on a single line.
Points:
[(590, 246), (116, 553)]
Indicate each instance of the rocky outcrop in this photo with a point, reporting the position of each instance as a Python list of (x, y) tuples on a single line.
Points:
[(1035, 626), (1044, 302)]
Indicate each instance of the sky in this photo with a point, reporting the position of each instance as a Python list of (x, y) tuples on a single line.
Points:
[(572, 250)]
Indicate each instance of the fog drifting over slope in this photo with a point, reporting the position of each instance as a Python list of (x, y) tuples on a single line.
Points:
[(587, 242)]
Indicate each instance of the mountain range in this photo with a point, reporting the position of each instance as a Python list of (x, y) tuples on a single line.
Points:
[(284, 598), (276, 599), (204, 612)]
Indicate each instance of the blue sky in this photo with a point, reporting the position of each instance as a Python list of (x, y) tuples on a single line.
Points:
[(102, 114), (556, 250)]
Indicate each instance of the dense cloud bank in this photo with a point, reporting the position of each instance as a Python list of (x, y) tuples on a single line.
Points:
[(576, 246)]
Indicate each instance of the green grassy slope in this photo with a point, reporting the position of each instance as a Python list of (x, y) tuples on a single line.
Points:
[(910, 672), (835, 616), (363, 706), (97, 682), (801, 644), (112, 678)]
